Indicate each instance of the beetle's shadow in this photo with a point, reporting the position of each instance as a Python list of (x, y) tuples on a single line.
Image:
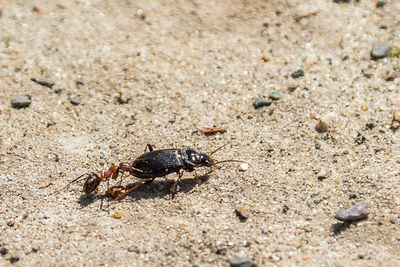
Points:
[(155, 189), (161, 188)]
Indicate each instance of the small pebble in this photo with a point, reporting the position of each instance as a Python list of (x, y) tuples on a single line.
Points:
[(396, 116), (317, 145), (370, 125), (396, 120), (14, 258), (298, 73), (292, 87), (123, 97), (323, 175), (172, 120), (380, 50), (10, 223), (381, 3), (262, 102), (360, 139), (3, 251), (242, 213), (325, 122), (358, 211), (75, 101), (21, 102), (352, 195), (113, 145), (242, 262), (275, 95), (243, 167), (117, 214), (367, 73), (383, 26), (285, 208)]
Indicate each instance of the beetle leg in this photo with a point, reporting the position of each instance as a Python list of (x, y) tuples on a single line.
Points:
[(196, 177), (148, 146), (173, 188)]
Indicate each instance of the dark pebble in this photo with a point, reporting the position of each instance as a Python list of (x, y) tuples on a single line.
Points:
[(285, 209), (21, 102), (14, 259), (381, 3), (360, 139), (172, 120), (380, 50), (242, 262), (384, 26), (10, 223), (75, 101), (317, 145), (370, 125), (262, 102), (358, 211), (43, 83), (3, 251), (275, 95), (113, 145), (242, 214), (352, 195), (78, 83), (298, 73)]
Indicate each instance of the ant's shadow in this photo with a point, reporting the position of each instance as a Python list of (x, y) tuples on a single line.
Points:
[(155, 189)]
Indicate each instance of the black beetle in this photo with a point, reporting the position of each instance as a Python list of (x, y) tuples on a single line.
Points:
[(153, 164)]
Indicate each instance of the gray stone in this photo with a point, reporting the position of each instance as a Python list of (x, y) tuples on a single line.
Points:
[(380, 50), (275, 95), (21, 102), (298, 73), (261, 102), (75, 101), (242, 262), (358, 211)]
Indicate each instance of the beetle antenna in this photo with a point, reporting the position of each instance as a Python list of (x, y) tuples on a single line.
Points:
[(228, 160), (217, 149)]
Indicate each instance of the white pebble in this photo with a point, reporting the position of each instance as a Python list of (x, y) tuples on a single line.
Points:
[(243, 167)]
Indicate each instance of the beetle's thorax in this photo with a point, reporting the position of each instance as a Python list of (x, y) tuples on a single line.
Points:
[(191, 158)]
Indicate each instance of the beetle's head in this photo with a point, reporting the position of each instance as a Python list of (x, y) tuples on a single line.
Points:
[(199, 160), (91, 183)]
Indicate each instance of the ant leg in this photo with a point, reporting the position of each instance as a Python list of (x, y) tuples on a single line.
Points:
[(129, 190), (173, 188)]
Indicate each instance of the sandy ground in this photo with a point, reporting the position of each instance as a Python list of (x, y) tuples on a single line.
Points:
[(179, 65)]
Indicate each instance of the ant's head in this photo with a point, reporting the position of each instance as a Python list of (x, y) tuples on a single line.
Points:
[(91, 183), (196, 159)]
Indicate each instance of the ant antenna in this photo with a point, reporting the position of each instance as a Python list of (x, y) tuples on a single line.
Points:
[(75, 180)]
